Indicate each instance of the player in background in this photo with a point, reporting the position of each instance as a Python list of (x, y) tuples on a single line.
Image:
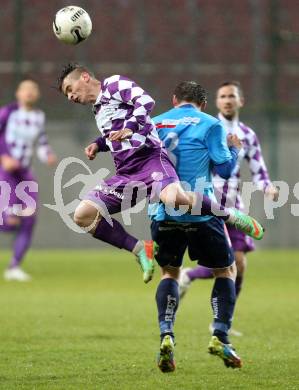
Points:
[(197, 142), (122, 112), (22, 126), (229, 101)]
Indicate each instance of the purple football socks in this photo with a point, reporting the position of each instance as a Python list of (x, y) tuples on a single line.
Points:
[(115, 235), (200, 272), (23, 240)]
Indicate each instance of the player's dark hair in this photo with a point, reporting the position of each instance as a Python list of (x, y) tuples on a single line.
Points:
[(190, 91), (69, 68), (28, 78), (235, 83)]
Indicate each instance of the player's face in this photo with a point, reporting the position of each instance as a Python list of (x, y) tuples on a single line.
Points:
[(229, 101), (27, 93), (77, 90)]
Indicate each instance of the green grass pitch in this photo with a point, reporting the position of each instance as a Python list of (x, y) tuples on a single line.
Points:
[(87, 321)]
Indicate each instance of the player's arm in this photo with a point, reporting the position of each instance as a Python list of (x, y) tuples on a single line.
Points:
[(98, 145), (3, 120), (224, 157), (43, 149), (127, 91), (225, 169), (258, 169), (7, 162)]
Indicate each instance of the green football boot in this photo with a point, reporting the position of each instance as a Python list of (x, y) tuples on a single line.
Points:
[(247, 224), (166, 361), (146, 260), (225, 351)]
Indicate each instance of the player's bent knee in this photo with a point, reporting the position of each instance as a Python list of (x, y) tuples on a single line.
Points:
[(86, 215), (174, 195), (229, 272), (170, 272), (79, 220)]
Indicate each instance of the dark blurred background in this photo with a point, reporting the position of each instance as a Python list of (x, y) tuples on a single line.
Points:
[(159, 43)]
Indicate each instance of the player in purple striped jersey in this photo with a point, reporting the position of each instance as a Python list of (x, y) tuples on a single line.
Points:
[(229, 101), (21, 128), (122, 112)]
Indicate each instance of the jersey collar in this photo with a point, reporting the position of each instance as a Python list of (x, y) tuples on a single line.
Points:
[(232, 125), (186, 105)]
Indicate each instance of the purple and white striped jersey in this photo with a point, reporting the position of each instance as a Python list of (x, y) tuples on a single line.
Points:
[(229, 191), (20, 132), (123, 104)]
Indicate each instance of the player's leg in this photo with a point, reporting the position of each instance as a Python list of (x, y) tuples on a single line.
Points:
[(223, 300), (22, 225), (174, 196), (21, 245), (93, 214), (210, 244), (189, 275), (89, 216), (241, 263), (167, 299), (9, 221), (171, 247), (240, 260), (241, 245)]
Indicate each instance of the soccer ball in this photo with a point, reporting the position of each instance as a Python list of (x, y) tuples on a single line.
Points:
[(72, 25)]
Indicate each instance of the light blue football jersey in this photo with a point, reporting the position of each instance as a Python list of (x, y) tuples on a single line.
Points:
[(195, 141)]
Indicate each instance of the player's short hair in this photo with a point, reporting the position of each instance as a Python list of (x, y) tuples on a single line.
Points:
[(69, 68), (190, 91), (235, 83), (27, 78)]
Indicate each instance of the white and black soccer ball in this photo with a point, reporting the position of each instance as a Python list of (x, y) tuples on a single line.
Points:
[(72, 25)]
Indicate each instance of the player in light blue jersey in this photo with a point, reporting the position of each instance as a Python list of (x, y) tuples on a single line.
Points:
[(229, 101), (196, 143)]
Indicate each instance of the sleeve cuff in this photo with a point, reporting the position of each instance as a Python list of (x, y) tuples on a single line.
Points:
[(132, 126), (100, 141), (234, 150)]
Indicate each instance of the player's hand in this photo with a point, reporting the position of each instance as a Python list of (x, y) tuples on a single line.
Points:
[(9, 164), (272, 192), (120, 135), (234, 140), (51, 160), (91, 151)]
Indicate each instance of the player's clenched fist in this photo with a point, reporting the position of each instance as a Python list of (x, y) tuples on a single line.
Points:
[(272, 192), (91, 151), (234, 140)]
